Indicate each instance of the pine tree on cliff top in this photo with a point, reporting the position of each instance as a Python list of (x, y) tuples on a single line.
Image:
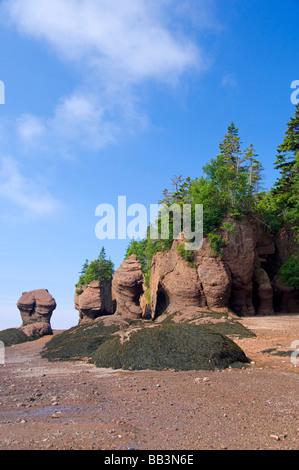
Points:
[(101, 269), (286, 154)]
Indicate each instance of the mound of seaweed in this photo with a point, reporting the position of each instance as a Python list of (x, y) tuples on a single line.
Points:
[(13, 336), (81, 341), (178, 347), (217, 322), (231, 328)]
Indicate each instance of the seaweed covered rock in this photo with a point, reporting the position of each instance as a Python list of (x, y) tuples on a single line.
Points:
[(94, 301), (13, 336), (178, 347), (81, 341), (36, 308), (225, 324), (127, 287)]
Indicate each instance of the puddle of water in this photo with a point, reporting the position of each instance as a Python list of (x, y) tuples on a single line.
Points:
[(46, 411), (50, 410)]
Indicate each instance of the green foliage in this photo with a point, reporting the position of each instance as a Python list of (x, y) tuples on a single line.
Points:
[(290, 271), (281, 205), (231, 185), (206, 192), (101, 269), (139, 248), (217, 243), (269, 212), (187, 255), (228, 227), (286, 152)]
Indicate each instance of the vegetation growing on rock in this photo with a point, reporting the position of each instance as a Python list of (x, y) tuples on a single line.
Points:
[(232, 184), (81, 341), (101, 269), (178, 347), (14, 336)]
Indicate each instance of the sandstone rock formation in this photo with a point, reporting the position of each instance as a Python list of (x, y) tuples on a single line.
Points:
[(127, 288), (286, 298), (215, 278), (36, 308), (264, 291), (174, 284), (94, 300), (243, 281), (239, 257)]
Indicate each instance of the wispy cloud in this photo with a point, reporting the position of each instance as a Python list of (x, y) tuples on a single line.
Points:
[(123, 40), (114, 46), (29, 127), (23, 192)]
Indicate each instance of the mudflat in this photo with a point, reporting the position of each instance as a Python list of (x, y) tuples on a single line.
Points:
[(74, 405)]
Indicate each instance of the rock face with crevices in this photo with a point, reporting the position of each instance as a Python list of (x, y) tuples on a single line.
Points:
[(239, 258), (36, 308), (174, 284), (94, 301)]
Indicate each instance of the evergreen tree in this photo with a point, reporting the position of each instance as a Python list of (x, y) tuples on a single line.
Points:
[(255, 169), (286, 189), (286, 153), (101, 269), (84, 268), (231, 147)]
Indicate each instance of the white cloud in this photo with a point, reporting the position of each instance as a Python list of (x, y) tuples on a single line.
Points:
[(125, 40), (115, 45), (23, 192), (81, 116), (29, 127)]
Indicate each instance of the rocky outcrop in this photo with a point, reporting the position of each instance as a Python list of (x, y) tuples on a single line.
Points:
[(174, 284), (243, 281), (239, 258), (36, 308), (94, 301), (215, 278), (127, 288), (264, 292)]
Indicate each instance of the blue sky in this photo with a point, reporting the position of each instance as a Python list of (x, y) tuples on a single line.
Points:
[(106, 99)]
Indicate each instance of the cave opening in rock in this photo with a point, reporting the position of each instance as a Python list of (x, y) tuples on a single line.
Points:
[(136, 298), (270, 264), (255, 295), (162, 301)]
